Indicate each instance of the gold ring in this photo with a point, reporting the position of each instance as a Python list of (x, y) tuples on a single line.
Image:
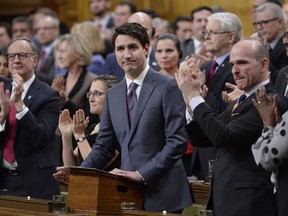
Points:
[(81, 121)]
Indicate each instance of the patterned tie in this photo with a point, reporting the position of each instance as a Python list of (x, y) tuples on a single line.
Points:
[(211, 73), (9, 155), (132, 100), (240, 100)]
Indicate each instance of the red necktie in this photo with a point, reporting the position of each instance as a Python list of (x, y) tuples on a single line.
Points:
[(212, 71), (41, 62), (9, 155)]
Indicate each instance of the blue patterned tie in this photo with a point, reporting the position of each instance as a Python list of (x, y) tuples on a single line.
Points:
[(132, 100)]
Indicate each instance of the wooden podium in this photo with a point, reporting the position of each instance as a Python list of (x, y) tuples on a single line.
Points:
[(100, 193)]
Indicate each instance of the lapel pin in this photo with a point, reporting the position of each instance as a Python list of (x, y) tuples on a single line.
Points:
[(29, 97)]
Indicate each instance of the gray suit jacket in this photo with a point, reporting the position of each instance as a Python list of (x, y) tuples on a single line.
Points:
[(152, 145)]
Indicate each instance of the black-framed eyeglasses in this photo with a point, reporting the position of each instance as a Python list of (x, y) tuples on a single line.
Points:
[(21, 56), (206, 33), (95, 94), (263, 23)]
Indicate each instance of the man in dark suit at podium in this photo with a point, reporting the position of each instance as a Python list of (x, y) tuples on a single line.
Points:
[(148, 122)]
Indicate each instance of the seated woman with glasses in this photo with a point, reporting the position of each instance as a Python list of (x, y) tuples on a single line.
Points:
[(78, 126)]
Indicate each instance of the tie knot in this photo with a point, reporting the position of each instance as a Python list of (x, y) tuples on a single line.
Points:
[(133, 86), (242, 98)]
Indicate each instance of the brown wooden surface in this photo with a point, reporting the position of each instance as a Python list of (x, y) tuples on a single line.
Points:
[(146, 213), (100, 193), (20, 212), (23, 203), (200, 191)]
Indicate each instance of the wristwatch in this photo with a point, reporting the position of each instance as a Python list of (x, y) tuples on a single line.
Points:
[(81, 139)]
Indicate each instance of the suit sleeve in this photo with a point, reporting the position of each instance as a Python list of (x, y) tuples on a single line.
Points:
[(271, 148), (235, 129), (176, 138), (40, 122)]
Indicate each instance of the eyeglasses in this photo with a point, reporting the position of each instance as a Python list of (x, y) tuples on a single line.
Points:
[(263, 23), (206, 33), (21, 56), (45, 28), (94, 94)]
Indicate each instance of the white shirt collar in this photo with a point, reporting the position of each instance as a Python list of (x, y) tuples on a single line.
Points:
[(139, 80), (26, 86), (251, 91)]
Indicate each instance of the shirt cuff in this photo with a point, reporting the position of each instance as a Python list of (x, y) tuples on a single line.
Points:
[(141, 177), (195, 101), (2, 126), (22, 113)]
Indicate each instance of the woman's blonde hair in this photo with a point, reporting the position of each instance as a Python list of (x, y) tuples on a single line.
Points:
[(91, 33), (78, 46)]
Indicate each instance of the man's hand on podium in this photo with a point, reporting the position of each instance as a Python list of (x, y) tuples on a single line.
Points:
[(62, 175), (132, 175)]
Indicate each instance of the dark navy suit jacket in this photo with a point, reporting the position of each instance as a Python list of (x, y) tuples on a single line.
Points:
[(33, 143), (152, 145)]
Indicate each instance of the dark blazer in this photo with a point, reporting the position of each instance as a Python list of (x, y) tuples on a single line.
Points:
[(239, 186), (187, 47), (200, 156), (33, 143), (112, 67), (217, 84), (278, 59), (281, 81), (46, 74), (152, 145)]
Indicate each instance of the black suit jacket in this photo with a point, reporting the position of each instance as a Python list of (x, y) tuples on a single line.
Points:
[(200, 156), (153, 144), (46, 74), (281, 81), (33, 143), (239, 186), (278, 59), (217, 85)]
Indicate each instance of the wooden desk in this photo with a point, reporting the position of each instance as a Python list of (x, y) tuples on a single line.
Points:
[(146, 213), (21, 206), (200, 191)]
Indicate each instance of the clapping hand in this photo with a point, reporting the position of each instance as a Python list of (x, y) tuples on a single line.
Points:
[(267, 108), (4, 103)]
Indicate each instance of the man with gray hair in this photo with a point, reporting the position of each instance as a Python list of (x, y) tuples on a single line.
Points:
[(223, 30), (270, 26)]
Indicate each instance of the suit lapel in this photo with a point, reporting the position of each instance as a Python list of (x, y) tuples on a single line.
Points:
[(122, 104), (219, 72)]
